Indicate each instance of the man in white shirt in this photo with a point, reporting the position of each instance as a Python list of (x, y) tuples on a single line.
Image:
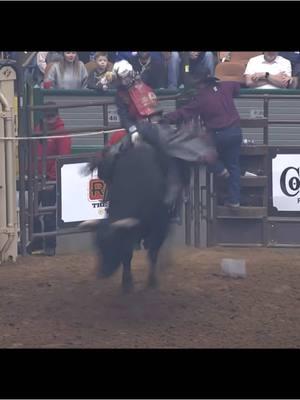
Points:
[(268, 71)]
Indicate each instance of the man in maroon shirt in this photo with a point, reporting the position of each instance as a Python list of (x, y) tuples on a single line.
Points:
[(215, 105)]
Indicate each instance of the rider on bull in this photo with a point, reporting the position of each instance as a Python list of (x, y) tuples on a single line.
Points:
[(140, 122), (137, 118)]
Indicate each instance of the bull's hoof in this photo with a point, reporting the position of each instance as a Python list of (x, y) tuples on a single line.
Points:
[(127, 286), (152, 282)]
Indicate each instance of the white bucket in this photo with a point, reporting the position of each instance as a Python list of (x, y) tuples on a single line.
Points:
[(234, 268)]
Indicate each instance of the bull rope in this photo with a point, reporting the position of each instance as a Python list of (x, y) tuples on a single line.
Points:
[(58, 136)]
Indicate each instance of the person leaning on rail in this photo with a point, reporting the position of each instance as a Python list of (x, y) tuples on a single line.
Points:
[(69, 73), (47, 196)]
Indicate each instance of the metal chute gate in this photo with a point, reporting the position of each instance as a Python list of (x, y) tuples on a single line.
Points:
[(205, 222)]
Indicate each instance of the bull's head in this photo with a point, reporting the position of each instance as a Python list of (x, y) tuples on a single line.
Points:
[(114, 240)]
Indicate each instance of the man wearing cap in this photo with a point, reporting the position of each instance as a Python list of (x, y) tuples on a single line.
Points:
[(214, 103)]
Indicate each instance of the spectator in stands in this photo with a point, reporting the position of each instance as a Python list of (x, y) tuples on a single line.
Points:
[(268, 71), (214, 103), (193, 62), (95, 78), (171, 65), (47, 196), (294, 58), (43, 60), (85, 56), (171, 61), (28, 62), (115, 56), (70, 73), (152, 72)]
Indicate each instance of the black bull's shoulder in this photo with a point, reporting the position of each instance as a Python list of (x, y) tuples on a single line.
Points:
[(136, 196), (138, 186)]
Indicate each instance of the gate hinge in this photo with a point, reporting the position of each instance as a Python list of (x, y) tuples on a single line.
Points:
[(7, 230), (4, 114)]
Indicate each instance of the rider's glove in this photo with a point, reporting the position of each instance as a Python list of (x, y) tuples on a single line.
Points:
[(134, 134), (135, 137)]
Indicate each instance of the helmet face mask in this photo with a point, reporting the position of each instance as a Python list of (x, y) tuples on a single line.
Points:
[(128, 80)]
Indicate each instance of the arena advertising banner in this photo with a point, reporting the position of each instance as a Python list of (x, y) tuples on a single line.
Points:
[(286, 182), (80, 197)]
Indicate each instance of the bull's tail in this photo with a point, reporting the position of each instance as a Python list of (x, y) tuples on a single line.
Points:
[(96, 161)]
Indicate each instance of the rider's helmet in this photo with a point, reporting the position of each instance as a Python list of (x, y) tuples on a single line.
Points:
[(124, 71)]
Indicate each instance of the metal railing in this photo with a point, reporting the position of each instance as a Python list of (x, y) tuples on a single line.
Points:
[(193, 207), (31, 181)]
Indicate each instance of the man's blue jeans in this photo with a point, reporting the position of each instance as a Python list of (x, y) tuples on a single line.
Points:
[(208, 62), (228, 143), (173, 67), (173, 70)]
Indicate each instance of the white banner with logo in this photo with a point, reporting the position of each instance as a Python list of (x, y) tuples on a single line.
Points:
[(81, 196), (286, 182)]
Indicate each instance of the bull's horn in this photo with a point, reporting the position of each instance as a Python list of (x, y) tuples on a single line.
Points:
[(88, 224), (125, 223)]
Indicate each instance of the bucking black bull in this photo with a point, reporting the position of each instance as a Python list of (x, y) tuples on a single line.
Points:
[(144, 182), (137, 211)]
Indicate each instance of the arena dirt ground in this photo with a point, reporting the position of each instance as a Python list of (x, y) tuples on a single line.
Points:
[(57, 302)]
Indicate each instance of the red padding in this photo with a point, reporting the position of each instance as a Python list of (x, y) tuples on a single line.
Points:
[(116, 137)]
